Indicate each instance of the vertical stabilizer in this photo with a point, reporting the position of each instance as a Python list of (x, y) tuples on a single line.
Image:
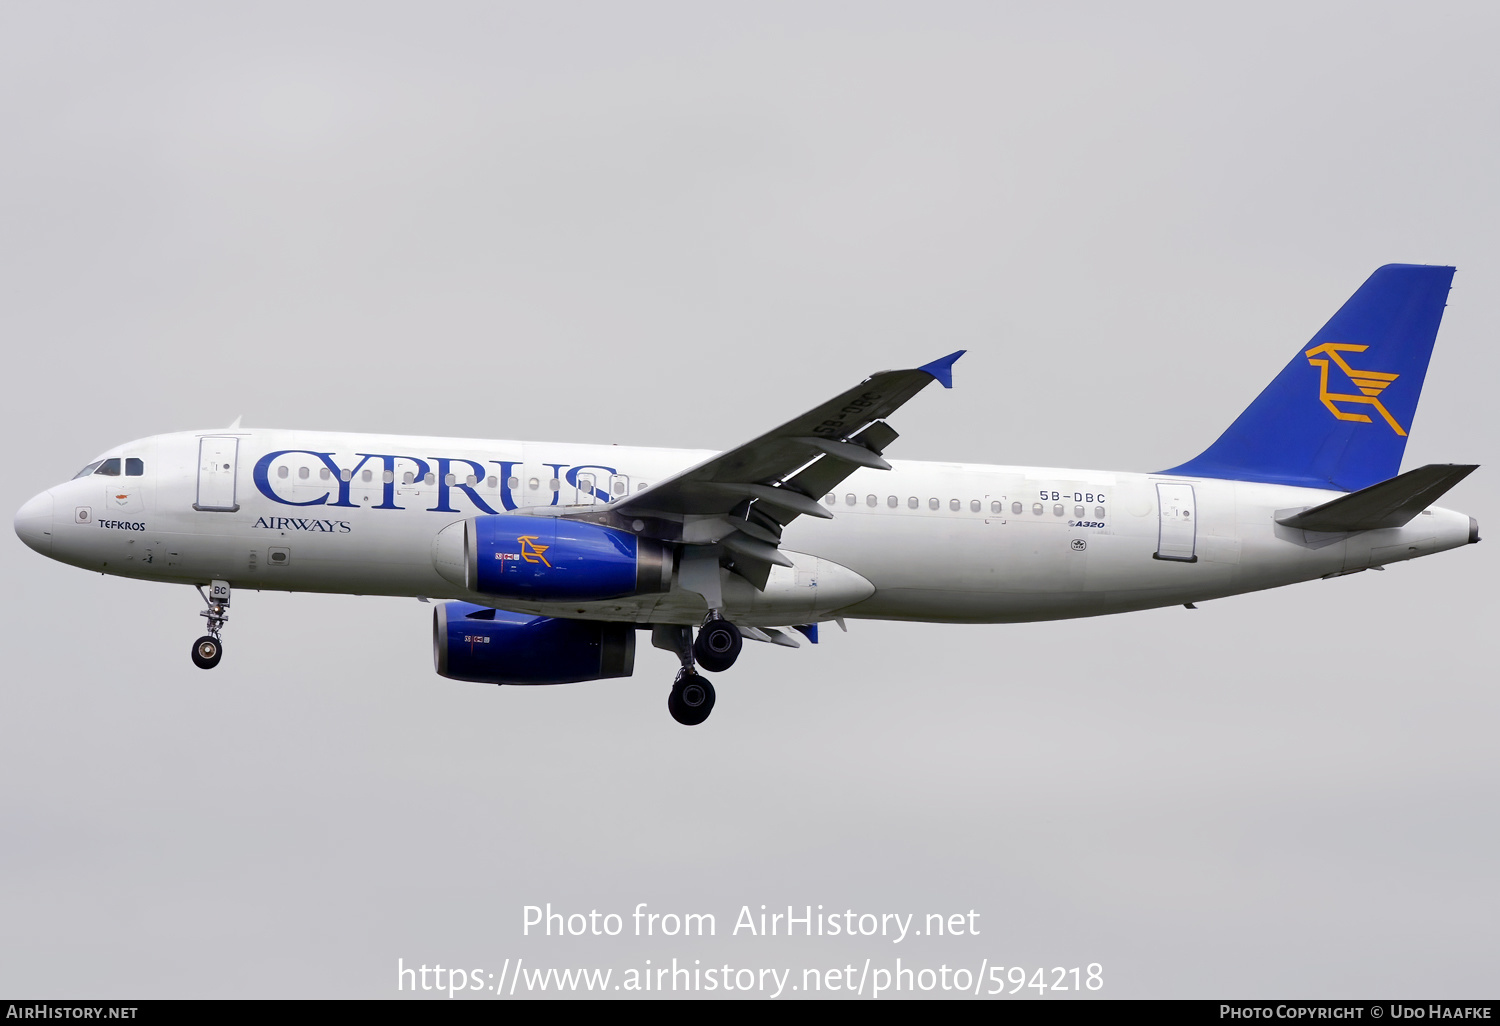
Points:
[(1338, 415)]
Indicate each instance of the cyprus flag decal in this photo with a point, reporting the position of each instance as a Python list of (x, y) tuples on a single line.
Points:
[(122, 500)]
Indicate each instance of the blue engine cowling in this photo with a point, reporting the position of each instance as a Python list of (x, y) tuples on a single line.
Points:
[(492, 646), (547, 559)]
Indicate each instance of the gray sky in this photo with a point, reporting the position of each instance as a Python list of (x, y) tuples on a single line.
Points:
[(679, 224)]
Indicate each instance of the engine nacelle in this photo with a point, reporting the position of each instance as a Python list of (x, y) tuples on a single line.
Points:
[(492, 646), (549, 559)]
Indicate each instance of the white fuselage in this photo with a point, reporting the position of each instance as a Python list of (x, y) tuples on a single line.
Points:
[(947, 542)]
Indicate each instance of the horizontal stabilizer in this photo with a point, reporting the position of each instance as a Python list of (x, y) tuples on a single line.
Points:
[(1388, 504)]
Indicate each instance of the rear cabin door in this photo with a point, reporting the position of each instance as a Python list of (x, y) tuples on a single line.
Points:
[(218, 456), (1178, 533)]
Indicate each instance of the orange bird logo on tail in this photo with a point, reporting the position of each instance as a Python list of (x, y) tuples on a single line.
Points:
[(1369, 383)]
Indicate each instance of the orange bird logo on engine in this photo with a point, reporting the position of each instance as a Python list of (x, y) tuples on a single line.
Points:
[(531, 551), (1369, 383)]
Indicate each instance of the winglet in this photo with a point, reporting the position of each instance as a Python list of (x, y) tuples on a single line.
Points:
[(943, 369)]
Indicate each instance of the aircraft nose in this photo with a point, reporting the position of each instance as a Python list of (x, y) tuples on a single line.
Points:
[(34, 523)]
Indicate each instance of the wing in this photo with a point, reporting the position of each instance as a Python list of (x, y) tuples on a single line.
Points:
[(742, 498)]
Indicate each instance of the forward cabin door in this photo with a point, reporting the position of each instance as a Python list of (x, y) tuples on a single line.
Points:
[(1178, 533), (218, 458)]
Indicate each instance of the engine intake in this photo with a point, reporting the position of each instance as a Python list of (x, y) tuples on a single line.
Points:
[(492, 646), (547, 559)]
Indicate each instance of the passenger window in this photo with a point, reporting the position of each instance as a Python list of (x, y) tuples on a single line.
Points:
[(913, 502), (1098, 512), (407, 478), (388, 476), (555, 484), (953, 504), (1057, 510), (471, 480), (431, 478), (450, 479), (323, 473), (973, 505), (281, 472), (302, 473), (850, 499), (134, 467), (346, 474), (86, 471), (1078, 512), (513, 482), (830, 498), (933, 503), (366, 475), (1036, 509), (535, 483), (994, 507), (871, 501), (109, 468), (492, 481), (618, 487), (641, 486), (892, 501), (1015, 507)]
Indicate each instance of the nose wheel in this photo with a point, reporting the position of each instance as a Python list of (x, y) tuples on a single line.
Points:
[(209, 649)]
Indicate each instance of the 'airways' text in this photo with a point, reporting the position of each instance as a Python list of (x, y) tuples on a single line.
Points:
[(301, 524)]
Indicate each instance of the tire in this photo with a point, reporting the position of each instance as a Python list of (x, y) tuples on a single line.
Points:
[(207, 651), (691, 700), (717, 646)]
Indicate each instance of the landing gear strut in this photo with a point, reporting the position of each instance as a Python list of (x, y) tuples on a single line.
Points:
[(209, 649), (718, 644), (692, 697)]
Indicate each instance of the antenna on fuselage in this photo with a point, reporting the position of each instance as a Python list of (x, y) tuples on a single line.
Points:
[(236, 424)]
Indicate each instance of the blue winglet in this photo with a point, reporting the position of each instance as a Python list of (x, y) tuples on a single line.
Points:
[(809, 629), (943, 369)]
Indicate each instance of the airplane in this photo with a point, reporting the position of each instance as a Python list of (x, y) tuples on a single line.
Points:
[(545, 559)]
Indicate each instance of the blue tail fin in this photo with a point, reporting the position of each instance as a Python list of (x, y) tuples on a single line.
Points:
[(1338, 415)]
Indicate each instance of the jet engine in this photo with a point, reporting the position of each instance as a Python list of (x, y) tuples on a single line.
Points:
[(492, 646), (546, 559)]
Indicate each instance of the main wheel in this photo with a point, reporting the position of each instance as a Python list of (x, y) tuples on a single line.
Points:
[(718, 645), (691, 700), (207, 652)]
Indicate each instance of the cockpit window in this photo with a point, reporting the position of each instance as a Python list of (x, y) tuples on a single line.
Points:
[(86, 471), (109, 468), (134, 467)]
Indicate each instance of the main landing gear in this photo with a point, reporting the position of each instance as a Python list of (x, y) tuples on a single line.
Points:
[(209, 649), (716, 648), (718, 644), (692, 698)]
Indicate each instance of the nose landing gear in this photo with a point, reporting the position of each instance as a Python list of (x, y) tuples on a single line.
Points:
[(209, 649)]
